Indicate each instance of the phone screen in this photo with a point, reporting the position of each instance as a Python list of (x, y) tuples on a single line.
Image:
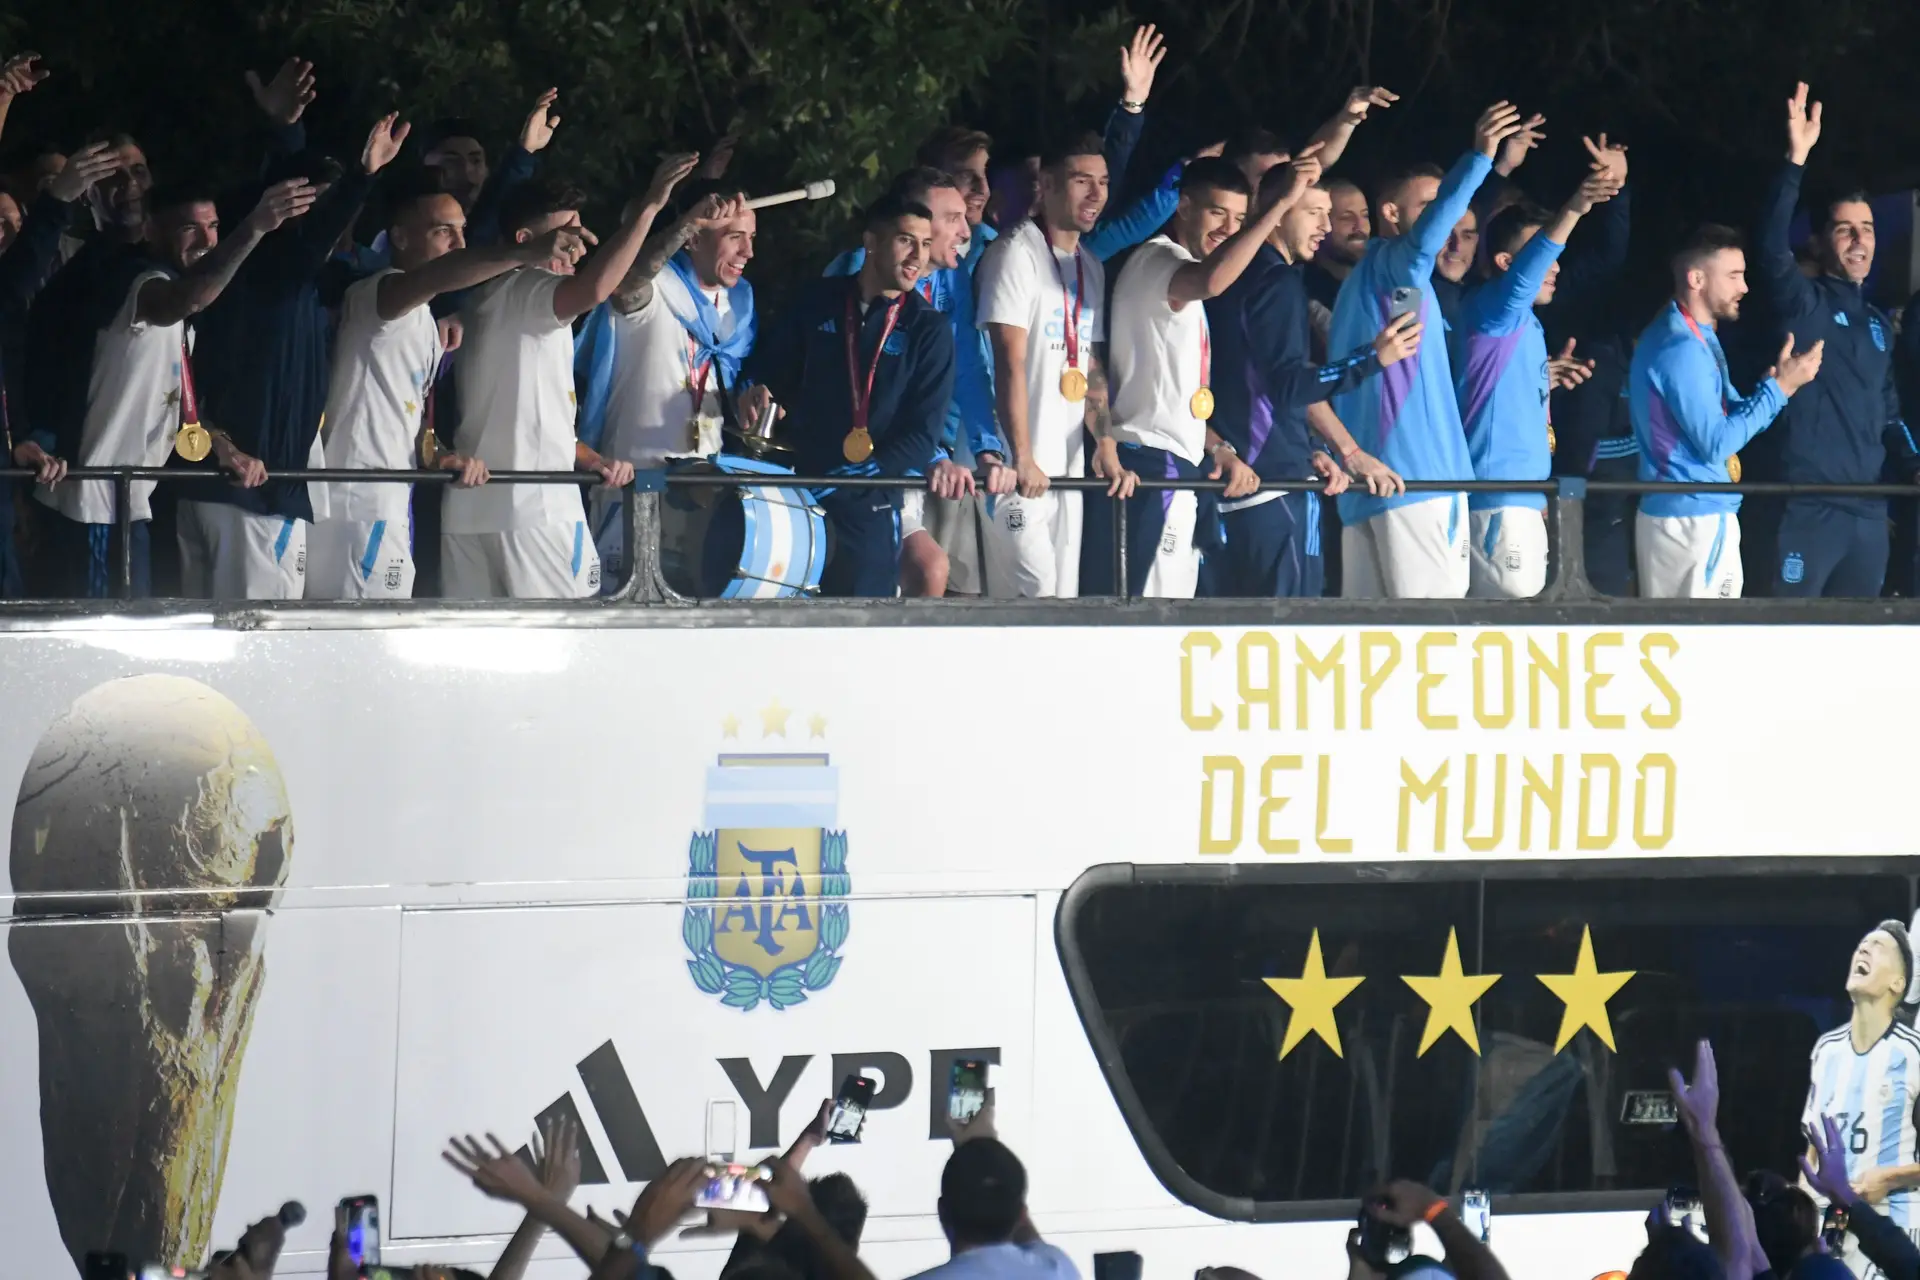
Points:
[(734, 1186), (1684, 1211), (1476, 1210), (966, 1090), (849, 1114), (363, 1229)]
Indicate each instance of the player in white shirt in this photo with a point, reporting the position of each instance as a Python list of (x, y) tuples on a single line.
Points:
[(1162, 365), (1866, 1077), (1042, 303), (665, 396), (515, 371), (140, 393), (386, 356)]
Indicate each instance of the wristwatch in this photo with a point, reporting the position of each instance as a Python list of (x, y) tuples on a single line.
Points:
[(1132, 108)]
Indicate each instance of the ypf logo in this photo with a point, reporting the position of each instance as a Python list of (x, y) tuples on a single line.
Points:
[(767, 878)]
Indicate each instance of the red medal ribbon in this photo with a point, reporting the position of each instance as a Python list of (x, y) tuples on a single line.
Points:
[(862, 399), (697, 374), (1206, 351), (1070, 313)]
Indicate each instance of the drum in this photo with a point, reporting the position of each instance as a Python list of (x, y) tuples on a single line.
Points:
[(755, 542)]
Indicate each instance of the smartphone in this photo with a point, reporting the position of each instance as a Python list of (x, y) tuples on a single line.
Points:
[(107, 1266), (1833, 1228), (363, 1229), (735, 1186), (1401, 301), (1685, 1212), (1125, 1265), (722, 1123), (1476, 1210), (966, 1090), (155, 1271), (849, 1114)]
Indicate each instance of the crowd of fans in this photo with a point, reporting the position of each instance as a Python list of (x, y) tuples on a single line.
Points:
[(1250, 319), (1768, 1228)]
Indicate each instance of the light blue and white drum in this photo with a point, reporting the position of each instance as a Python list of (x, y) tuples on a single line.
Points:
[(755, 542)]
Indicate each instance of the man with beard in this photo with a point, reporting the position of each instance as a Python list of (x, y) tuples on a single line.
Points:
[(1688, 421), (515, 380), (866, 365), (1350, 228), (944, 284), (139, 397), (1042, 304), (1163, 366), (1270, 392), (1841, 430)]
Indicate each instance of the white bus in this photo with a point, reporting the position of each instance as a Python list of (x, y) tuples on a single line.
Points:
[(1247, 917)]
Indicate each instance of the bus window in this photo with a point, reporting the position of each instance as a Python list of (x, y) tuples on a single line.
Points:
[(1279, 1040)]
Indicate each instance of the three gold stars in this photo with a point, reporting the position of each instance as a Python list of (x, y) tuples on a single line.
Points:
[(1585, 992), (1312, 997), (773, 722), (1450, 998)]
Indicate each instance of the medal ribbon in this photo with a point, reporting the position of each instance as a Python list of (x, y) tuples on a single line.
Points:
[(1206, 352), (189, 402), (697, 374), (861, 400)]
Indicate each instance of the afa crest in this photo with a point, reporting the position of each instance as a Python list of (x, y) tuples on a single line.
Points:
[(767, 878)]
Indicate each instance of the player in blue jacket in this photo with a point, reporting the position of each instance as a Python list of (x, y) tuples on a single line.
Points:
[(864, 366), (1504, 381), (1688, 420), (1411, 545), (1839, 432)]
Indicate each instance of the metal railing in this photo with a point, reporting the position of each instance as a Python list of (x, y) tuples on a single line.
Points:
[(646, 584)]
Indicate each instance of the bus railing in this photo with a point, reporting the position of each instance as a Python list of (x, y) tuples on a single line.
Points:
[(640, 508)]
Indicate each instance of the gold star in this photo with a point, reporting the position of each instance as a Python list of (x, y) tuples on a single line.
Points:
[(817, 726), (773, 719), (730, 727), (1450, 998), (1312, 997), (1585, 992), (409, 408)]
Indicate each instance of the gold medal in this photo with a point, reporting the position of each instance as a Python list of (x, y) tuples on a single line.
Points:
[(858, 446), (429, 449), (1553, 441), (1733, 469), (1202, 404), (193, 442), (1073, 384)]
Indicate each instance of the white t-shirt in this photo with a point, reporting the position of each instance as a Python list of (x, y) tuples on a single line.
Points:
[(1157, 354), (133, 411), (377, 401), (1020, 284), (1035, 1261), (515, 370), (650, 407)]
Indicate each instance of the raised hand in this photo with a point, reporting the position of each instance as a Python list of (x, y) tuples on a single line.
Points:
[(670, 173), (1612, 156), (1402, 1203), (1364, 98), (1566, 371), (1597, 188), (280, 203), (556, 1147), (718, 157), (1513, 152), (537, 132), (20, 74), (85, 167), (285, 97), (1496, 124), (1826, 1173), (1399, 340), (666, 1200), (1699, 1099), (1795, 369), (1213, 149), (383, 142), (497, 1173), (1139, 61), (1303, 172), (1803, 124)]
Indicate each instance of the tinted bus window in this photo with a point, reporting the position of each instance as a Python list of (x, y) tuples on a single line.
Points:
[(1272, 1042)]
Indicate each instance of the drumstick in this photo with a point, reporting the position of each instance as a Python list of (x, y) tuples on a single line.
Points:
[(812, 191)]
